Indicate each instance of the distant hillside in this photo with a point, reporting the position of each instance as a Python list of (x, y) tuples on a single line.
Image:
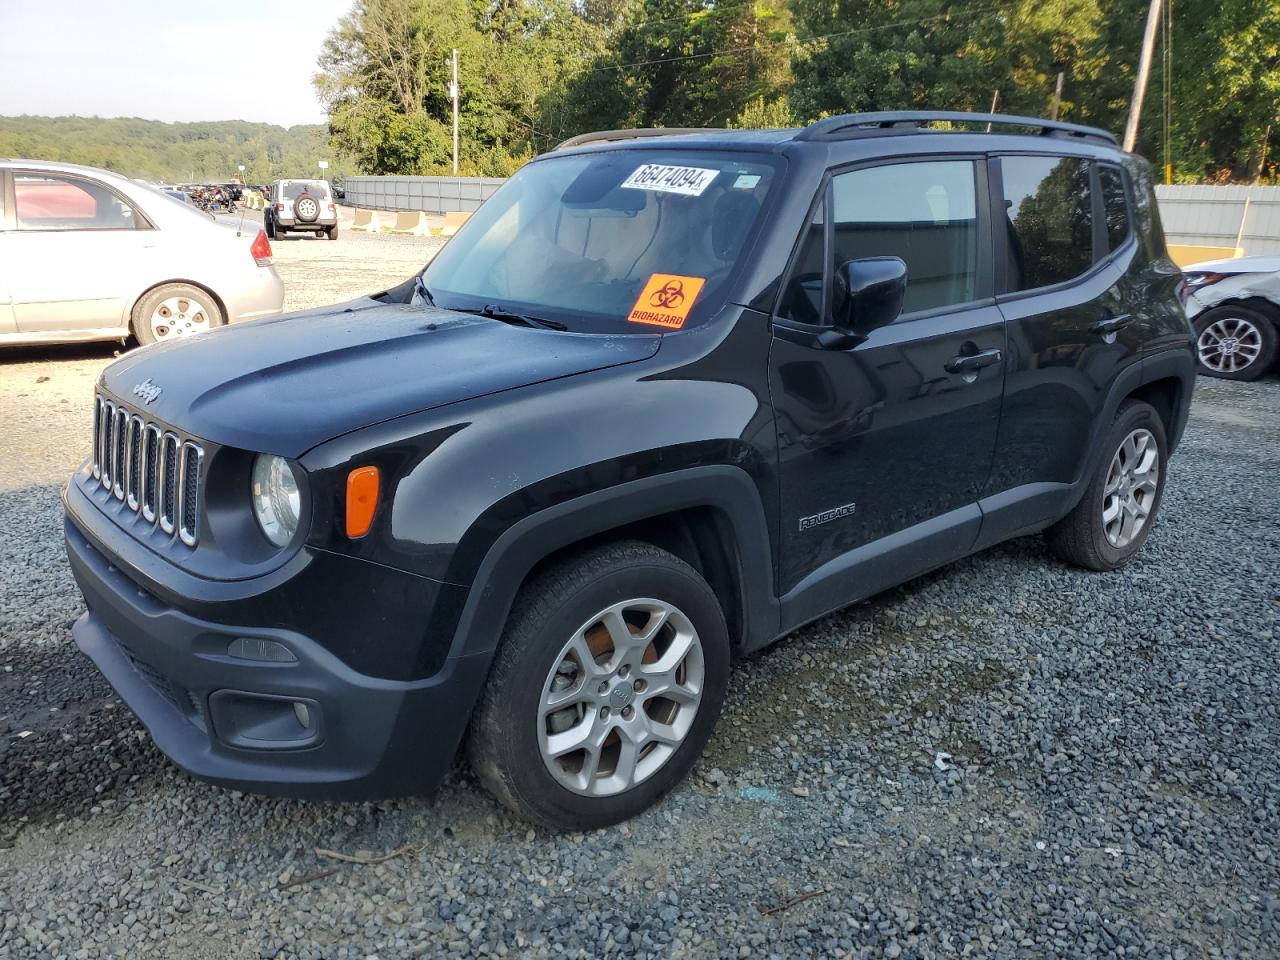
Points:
[(176, 152)]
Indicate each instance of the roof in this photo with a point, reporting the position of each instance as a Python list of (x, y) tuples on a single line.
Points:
[(853, 126)]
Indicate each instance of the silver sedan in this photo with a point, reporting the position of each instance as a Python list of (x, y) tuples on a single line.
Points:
[(86, 254)]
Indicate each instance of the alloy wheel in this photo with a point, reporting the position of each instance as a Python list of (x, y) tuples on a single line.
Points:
[(1129, 494), (621, 697), (1229, 345)]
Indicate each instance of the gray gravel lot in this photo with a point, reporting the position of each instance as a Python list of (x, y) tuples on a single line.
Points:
[(1116, 745)]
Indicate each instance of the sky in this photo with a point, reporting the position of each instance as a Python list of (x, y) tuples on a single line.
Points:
[(164, 59)]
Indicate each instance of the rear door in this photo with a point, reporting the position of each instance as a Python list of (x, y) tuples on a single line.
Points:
[(1071, 329), (74, 252), (885, 444)]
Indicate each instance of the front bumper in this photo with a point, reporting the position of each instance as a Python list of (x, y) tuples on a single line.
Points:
[(232, 721)]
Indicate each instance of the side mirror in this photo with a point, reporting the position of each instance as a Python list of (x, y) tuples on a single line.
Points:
[(868, 294)]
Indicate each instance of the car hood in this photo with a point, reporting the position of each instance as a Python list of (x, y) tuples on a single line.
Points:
[(1236, 265), (284, 384)]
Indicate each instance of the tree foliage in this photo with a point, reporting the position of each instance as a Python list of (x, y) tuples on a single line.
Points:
[(537, 71), (174, 152)]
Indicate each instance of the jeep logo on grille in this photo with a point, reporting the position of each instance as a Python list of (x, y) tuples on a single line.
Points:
[(146, 391)]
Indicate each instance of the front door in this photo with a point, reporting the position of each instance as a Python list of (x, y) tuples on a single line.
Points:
[(73, 253), (885, 445)]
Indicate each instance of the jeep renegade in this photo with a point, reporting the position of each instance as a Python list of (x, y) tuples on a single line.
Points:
[(661, 401)]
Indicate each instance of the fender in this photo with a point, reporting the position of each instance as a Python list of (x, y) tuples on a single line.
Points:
[(517, 551)]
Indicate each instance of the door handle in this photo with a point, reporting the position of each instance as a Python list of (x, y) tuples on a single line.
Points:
[(971, 363), (1108, 325)]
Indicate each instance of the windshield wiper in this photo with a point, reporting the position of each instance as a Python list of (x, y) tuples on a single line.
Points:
[(494, 312), (420, 291)]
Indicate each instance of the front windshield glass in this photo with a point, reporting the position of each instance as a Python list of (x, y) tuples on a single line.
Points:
[(634, 241)]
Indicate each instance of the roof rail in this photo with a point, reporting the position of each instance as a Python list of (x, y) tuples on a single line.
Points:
[(610, 136), (833, 128)]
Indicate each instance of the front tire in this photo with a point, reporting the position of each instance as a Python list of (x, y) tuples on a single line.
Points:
[(1112, 521), (1235, 343), (605, 689), (175, 310)]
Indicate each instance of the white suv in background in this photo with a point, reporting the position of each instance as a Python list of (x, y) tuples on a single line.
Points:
[(86, 254), (301, 206)]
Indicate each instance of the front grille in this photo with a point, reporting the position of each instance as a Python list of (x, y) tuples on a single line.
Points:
[(157, 473)]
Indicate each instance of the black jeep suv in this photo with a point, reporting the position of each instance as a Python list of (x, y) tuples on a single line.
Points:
[(661, 401)]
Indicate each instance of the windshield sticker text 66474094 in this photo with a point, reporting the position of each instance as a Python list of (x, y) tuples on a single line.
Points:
[(663, 178)]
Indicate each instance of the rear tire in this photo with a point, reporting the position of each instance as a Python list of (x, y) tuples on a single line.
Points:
[(269, 225), (332, 233), (1113, 519), (175, 310), (668, 635), (1235, 343)]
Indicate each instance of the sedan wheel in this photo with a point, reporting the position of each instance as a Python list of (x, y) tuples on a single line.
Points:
[(621, 698), (1130, 491), (179, 317), (1230, 345)]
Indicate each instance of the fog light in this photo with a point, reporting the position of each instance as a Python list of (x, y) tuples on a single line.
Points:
[(303, 714), (256, 648)]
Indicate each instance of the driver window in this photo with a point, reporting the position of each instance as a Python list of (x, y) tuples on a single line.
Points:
[(923, 213), (54, 202)]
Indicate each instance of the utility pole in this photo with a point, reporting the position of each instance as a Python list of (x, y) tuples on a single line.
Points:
[(1057, 98), (453, 92), (1144, 71)]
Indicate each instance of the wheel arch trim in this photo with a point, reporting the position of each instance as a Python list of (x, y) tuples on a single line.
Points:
[(522, 546)]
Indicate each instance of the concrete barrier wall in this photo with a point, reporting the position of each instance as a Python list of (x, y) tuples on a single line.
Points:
[(1212, 216), (1199, 215), (429, 194)]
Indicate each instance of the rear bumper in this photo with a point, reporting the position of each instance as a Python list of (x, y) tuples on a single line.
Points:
[(262, 295), (232, 721)]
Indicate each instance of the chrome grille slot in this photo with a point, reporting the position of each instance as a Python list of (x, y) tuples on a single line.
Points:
[(108, 427), (97, 438), (155, 471), (168, 481), (120, 441), (150, 461), (189, 509), (132, 477)]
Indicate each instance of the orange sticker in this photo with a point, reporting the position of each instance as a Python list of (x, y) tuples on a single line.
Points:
[(666, 300)]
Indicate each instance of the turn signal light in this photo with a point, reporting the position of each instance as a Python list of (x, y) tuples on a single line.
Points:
[(362, 500)]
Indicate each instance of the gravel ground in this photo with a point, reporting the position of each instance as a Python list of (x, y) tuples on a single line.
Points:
[(1113, 788)]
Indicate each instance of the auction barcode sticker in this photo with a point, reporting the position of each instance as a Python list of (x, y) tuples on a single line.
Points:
[(688, 181)]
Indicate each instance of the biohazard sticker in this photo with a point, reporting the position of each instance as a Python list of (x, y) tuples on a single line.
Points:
[(666, 300), (662, 178)]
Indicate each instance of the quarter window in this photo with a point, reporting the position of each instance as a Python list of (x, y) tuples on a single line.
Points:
[(52, 202), (1049, 220), (925, 214), (1115, 205)]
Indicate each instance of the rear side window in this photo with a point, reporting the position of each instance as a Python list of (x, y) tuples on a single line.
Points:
[(1049, 220), (52, 202), (1115, 205), (925, 214)]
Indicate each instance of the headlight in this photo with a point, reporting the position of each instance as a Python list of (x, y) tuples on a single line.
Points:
[(1197, 280), (277, 501)]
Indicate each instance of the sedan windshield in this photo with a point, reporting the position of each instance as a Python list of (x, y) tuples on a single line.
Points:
[(620, 241)]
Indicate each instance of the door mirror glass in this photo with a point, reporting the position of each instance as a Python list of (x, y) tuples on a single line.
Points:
[(868, 293)]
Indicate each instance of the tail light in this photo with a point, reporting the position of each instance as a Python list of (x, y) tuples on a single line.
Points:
[(280, 206), (332, 208), (261, 250)]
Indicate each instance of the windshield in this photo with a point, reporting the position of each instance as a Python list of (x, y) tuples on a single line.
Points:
[(618, 241)]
